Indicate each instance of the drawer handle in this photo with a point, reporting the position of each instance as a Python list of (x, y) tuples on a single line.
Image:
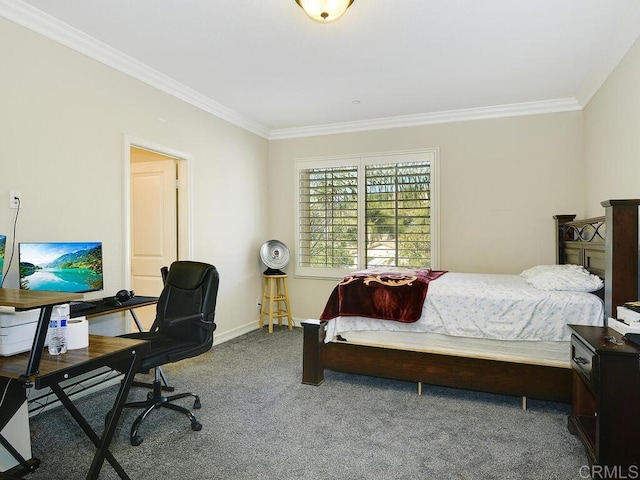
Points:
[(581, 360)]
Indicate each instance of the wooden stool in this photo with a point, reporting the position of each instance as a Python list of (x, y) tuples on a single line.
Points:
[(275, 293)]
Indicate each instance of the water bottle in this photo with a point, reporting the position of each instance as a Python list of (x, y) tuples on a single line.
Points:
[(58, 330)]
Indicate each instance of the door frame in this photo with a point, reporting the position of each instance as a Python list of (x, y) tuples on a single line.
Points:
[(185, 223)]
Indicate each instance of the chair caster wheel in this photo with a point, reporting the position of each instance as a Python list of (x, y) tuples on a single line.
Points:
[(137, 440), (196, 426), (196, 404)]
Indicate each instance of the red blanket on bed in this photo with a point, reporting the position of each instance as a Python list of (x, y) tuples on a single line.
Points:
[(393, 294)]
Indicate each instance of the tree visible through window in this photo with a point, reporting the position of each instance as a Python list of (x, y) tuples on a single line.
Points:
[(365, 212), (398, 214), (328, 217)]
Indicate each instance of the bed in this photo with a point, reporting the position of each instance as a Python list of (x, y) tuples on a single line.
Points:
[(605, 246)]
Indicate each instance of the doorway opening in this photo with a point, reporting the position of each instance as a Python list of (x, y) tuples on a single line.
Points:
[(157, 208)]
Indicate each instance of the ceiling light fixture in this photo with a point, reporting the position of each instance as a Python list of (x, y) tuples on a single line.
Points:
[(324, 11)]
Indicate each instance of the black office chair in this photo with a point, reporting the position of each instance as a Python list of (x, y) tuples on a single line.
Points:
[(183, 328)]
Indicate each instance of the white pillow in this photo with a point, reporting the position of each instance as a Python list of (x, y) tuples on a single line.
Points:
[(540, 269), (573, 280)]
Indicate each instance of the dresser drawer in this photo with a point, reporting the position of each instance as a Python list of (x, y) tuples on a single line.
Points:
[(581, 357)]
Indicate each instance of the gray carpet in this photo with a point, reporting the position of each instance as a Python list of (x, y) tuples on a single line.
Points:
[(260, 422)]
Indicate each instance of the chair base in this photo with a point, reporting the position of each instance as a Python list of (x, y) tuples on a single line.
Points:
[(165, 387), (156, 400)]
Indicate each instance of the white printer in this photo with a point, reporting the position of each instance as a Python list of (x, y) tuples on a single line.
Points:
[(17, 330)]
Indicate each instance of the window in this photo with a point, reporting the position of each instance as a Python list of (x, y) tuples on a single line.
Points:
[(366, 212)]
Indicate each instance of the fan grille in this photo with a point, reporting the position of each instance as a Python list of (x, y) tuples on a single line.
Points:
[(275, 255)]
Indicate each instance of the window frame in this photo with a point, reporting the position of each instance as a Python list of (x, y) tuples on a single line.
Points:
[(361, 161)]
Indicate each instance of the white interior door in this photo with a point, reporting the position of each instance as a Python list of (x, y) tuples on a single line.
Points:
[(154, 224)]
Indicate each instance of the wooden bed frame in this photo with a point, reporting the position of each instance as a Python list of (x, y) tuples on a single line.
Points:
[(612, 254)]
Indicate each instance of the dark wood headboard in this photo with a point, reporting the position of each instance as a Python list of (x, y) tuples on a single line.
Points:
[(581, 242), (606, 246)]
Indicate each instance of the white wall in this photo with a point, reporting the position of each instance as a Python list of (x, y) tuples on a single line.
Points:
[(63, 120), (502, 180), (612, 137)]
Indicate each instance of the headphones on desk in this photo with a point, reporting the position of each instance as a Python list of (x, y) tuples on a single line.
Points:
[(124, 295)]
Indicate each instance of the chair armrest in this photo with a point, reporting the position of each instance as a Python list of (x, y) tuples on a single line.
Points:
[(196, 317)]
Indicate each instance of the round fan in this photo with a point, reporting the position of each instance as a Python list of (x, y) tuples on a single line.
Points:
[(275, 255)]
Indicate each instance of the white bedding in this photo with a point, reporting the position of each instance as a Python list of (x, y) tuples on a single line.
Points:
[(488, 306)]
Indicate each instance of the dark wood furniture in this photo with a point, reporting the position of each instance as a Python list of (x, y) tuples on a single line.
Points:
[(607, 246), (606, 400), (613, 255)]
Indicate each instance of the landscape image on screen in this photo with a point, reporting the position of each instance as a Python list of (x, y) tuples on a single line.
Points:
[(74, 267), (3, 242)]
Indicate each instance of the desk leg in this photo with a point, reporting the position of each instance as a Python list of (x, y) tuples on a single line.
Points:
[(14, 440), (136, 320), (103, 443), (23, 464), (38, 340)]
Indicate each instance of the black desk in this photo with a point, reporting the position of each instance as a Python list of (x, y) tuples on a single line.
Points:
[(108, 305), (121, 354)]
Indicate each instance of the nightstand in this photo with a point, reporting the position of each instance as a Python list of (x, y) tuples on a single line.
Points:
[(606, 400)]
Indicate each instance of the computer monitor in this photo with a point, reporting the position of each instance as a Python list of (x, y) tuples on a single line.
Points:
[(74, 267), (3, 242)]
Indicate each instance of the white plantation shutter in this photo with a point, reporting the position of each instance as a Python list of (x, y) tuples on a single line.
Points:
[(398, 214), (363, 212), (328, 217)]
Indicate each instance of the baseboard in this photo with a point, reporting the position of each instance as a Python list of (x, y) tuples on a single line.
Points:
[(246, 328), (233, 333)]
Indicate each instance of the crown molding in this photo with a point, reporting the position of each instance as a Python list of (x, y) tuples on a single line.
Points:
[(463, 115), (29, 17)]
